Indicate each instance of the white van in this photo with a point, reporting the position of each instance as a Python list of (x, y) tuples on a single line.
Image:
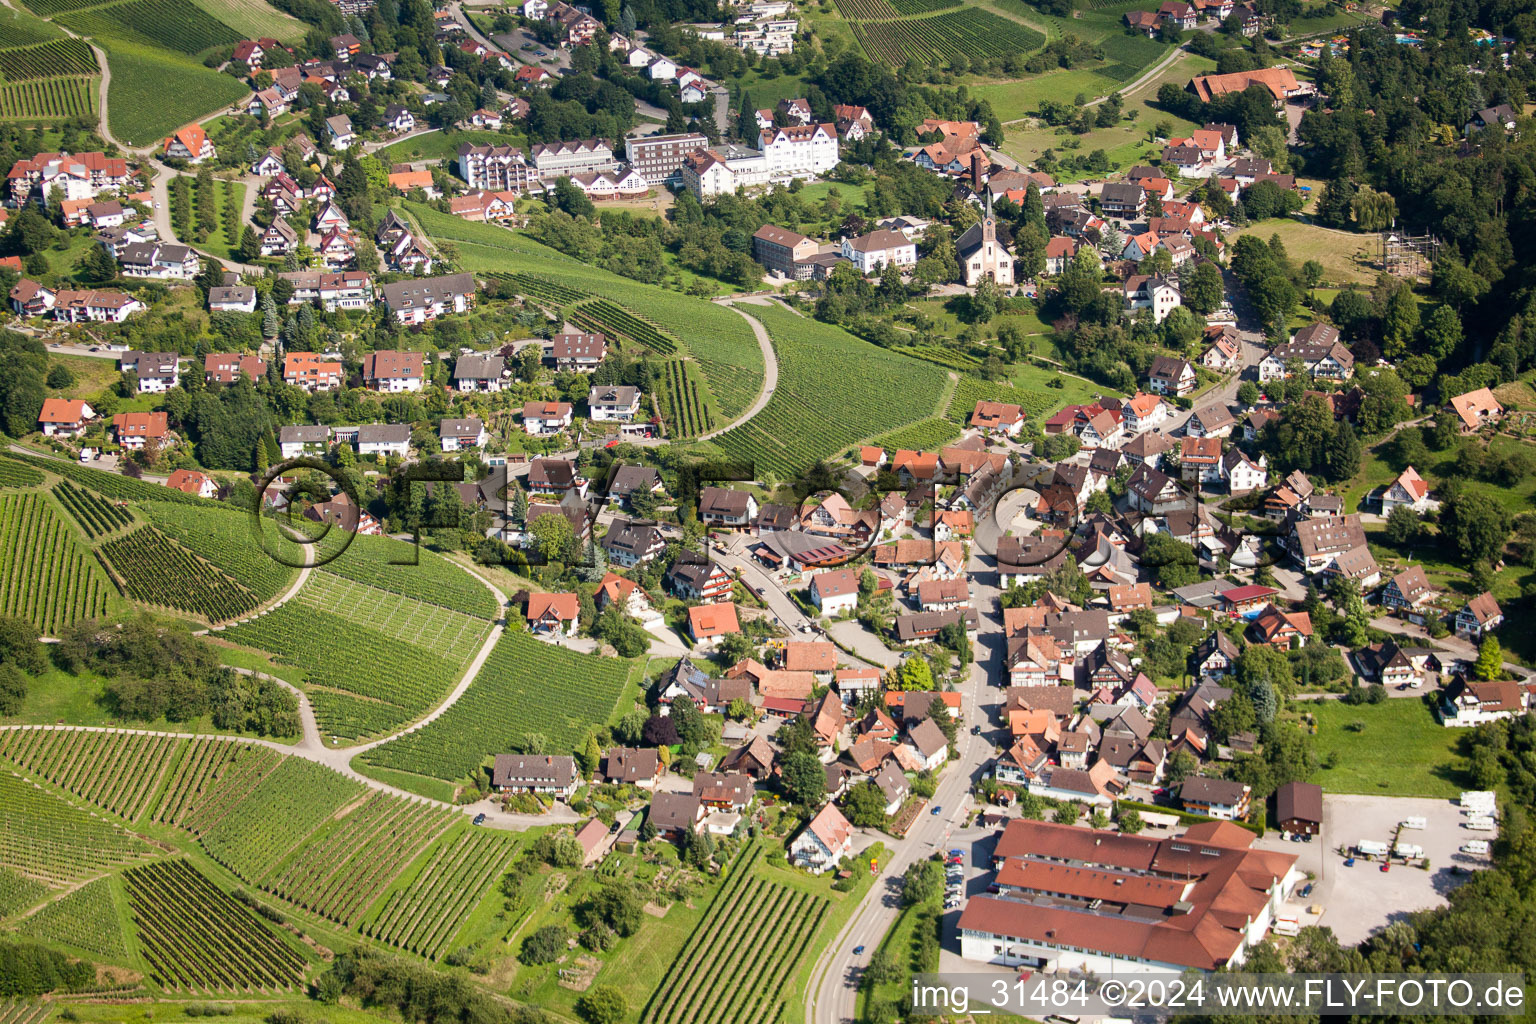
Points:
[(1408, 851), (1371, 848)]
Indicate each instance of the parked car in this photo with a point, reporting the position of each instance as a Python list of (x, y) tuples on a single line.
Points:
[(1349, 862), (479, 819), (1306, 890)]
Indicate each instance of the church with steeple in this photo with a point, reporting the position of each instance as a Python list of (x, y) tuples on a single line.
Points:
[(981, 255)]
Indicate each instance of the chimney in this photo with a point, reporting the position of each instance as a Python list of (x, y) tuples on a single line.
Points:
[(978, 169)]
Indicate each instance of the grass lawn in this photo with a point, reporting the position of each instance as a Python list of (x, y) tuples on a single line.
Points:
[(439, 146), (1346, 257), (900, 944), (1125, 143), (91, 374), (1401, 751), (217, 243)]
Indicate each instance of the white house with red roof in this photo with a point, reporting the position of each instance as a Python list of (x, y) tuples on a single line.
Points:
[(554, 613), (191, 144), (1410, 490), (65, 417), (824, 842), (135, 429), (190, 481)]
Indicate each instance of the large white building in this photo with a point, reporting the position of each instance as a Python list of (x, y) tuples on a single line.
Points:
[(493, 168), (1073, 899), (799, 151)]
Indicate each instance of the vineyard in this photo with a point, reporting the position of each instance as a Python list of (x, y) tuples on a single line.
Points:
[(47, 60), (542, 290), (178, 25), (222, 536), (22, 29), (388, 564), (684, 400), (422, 916), (423, 625), (339, 871), (525, 686), (152, 568), (971, 390), (925, 436), (196, 938), (939, 355), (24, 1013), (833, 390), (14, 475), (736, 963), (717, 337), (113, 485), (210, 779), (889, 10), (604, 317), (118, 772), (44, 576), (154, 91), (400, 681), (46, 7), (978, 34), (18, 892), (95, 516), (54, 842), (284, 807), (48, 99), (85, 919)]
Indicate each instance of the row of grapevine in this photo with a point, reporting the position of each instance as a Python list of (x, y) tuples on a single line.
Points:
[(152, 568), (119, 772), (405, 568), (539, 288), (85, 919), (224, 537), (923, 436), (18, 892), (685, 409), (24, 1013), (44, 576), (422, 916), (339, 871), (735, 966), (941, 356), (54, 842), (95, 516), (285, 807), (605, 317), (525, 686), (13, 474), (196, 938), (338, 654), (211, 779), (178, 25), (48, 99), (971, 390), (833, 390), (113, 485), (976, 33), (47, 60), (433, 627)]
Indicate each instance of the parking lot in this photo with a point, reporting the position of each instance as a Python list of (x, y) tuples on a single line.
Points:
[(1358, 900)]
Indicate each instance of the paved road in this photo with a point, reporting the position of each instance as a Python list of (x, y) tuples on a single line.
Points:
[(770, 365), (832, 995)]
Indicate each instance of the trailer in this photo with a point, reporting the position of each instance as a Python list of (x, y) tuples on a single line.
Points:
[(1408, 851), (1372, 848), (1478, 799), (1419, 823), (1478, 847), (1481, 824)]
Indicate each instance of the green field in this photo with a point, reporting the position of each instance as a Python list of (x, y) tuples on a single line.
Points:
[(434, 146), (1402, 750), (925, 435), (1345, 255), (177, 25), (56, 843), (424, 915), (86, 919), (254, 19), (223, 536), (48, 99), (721, 341), (154, 92), (824, 368), (526, 686), (404, 568), (972, 31), (18, 28)]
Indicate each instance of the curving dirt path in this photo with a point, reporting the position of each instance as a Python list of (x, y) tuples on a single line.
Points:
[(770, 365)]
